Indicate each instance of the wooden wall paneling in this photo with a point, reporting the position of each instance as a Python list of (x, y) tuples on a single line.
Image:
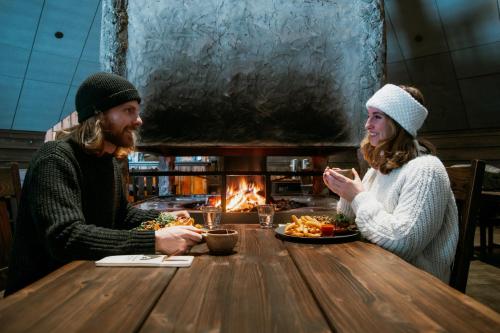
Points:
[(458, 147), (19, 146)]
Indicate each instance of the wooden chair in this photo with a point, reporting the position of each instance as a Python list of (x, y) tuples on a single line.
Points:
[(10, 195), (489, 216), (466, 183)]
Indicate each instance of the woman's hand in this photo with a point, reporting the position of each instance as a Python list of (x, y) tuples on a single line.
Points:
[(183, 213), (346, 188), (178, 239)]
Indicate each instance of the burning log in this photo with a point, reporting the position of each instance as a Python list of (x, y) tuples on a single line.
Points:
[(244, 196)]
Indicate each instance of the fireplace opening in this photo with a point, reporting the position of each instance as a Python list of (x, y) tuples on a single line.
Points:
[(236, 183)]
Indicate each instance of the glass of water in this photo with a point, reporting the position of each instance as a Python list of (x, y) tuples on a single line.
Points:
[(211, 217), (266, 215)]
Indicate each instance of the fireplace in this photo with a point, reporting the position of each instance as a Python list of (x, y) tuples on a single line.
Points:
[(239, 183), (248, 81)]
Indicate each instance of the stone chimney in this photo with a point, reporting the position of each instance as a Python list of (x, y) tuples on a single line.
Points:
[(248, 72)]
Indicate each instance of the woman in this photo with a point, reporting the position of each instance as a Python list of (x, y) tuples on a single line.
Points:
[(404, 202)]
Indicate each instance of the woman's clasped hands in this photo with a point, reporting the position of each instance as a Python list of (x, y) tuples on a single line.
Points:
[(343, 186)]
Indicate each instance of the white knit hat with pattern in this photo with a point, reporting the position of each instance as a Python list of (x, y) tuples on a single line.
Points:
[(400, 106)]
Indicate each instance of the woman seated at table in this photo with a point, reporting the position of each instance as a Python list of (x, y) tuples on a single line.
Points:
[(404, 202)]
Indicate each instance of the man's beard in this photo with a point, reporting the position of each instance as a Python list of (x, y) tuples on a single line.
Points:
[(121, 138)]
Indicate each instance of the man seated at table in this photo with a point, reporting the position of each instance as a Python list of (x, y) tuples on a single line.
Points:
[(73, 205)]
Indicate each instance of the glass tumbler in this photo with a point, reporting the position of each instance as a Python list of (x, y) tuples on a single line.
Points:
[(266, 216), (211, 217)]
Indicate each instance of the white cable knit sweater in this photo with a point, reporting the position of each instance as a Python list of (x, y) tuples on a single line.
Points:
[(411, 212)]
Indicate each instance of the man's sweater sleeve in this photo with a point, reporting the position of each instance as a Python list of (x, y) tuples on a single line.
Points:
[(134, 216), (56, 208), (417, 217), (130, 216)]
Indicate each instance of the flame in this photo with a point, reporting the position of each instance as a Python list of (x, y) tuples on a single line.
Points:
[(214, 201), (244, 195)]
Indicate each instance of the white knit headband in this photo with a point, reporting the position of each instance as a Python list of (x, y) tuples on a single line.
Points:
[(400, 106)]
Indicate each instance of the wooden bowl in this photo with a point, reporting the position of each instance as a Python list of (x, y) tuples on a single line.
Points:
[(221, 241)]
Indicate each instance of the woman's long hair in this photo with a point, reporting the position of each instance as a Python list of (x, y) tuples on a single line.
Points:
[(89, 135), (399, 148)]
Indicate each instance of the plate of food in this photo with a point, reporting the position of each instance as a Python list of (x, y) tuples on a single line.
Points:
[(165, 220), (318, 229)]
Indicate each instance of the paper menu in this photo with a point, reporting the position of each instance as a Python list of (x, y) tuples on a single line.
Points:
[(146, 260)]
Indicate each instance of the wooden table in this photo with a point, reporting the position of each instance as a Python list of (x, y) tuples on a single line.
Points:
[(267, 285)]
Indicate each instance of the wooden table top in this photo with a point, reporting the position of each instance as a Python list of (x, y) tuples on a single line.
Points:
[(267, 285), (490, 194)]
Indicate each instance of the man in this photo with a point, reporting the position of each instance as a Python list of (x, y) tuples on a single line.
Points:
[(73, 205)]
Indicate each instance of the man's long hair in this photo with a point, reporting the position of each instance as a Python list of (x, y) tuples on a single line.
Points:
[(89, 135), (399, 148)]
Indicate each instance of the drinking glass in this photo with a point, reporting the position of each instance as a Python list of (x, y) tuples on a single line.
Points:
[(266, 215), (211, 217)]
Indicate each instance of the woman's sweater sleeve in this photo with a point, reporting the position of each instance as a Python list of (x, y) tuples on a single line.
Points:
[(56, 208), (344, 206), (417, 216)]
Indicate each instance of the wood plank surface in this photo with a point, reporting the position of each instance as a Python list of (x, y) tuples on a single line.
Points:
[(19, 146), (86, 298), (256, 289), (457, 147), (363, 288), (265, 285)]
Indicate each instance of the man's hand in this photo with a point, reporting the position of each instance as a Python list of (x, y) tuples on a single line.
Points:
[(346, 188), (177, 239)]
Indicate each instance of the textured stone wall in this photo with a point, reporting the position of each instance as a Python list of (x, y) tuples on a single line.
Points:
[(254, 71), (114, 36)]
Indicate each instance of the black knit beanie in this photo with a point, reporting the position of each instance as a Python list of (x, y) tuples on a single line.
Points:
[(102, 91)]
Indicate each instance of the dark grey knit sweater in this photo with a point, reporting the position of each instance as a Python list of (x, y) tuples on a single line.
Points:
[(72, 207)]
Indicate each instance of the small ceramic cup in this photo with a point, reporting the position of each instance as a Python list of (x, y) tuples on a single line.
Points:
[(221, 241), (347, 173)]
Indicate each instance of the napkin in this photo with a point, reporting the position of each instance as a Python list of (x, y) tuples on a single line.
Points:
[(146, 260)]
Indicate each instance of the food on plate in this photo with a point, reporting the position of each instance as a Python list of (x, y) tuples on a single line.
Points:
[(341, 221), (305, 226), (165, 220), (327, 230), (318, 226)]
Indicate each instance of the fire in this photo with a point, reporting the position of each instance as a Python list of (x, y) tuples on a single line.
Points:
[(214, 201), (243, 195)]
